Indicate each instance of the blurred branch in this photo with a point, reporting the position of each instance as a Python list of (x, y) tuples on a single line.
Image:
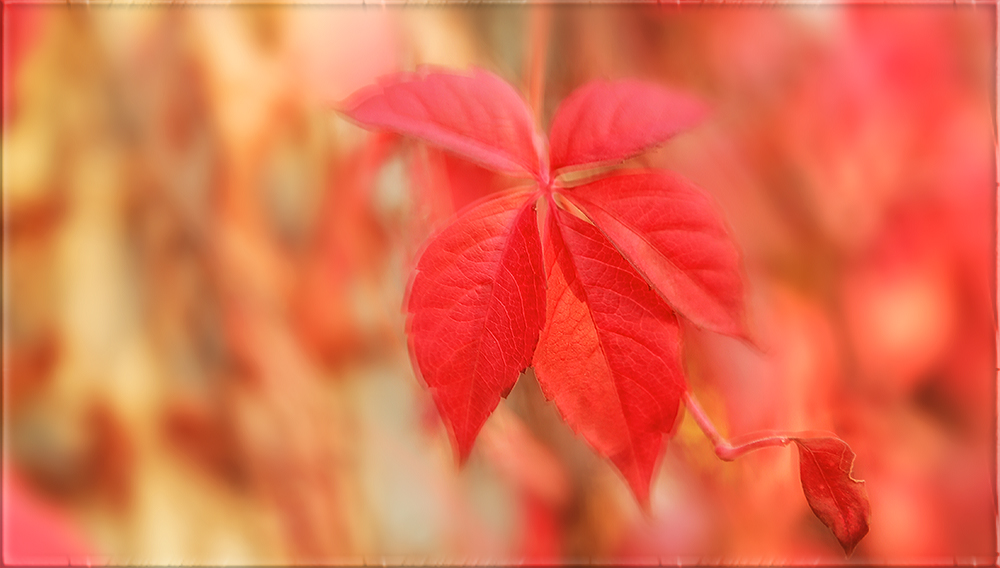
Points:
[(540, 24)]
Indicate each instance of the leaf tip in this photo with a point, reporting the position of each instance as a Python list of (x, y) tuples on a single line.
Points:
[(462, 444), (751, 338), (646, 508), (462, 454)]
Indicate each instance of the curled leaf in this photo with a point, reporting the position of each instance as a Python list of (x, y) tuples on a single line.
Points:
[(839, 500)]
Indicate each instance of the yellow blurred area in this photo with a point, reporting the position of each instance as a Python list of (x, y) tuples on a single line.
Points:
[(205, 358)]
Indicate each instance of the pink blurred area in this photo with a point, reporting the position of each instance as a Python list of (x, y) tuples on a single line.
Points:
[(37, 533), (204, 350)]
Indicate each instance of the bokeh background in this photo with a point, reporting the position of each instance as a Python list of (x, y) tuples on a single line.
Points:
[(204, 266)]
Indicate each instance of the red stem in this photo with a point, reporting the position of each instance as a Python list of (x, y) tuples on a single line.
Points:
[(723, 448), (539, 23)]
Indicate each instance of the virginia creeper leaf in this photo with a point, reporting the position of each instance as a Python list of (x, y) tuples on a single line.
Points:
[(674, 236), (479, 116), (477, 304), (839, 500), (597, 320), (604, 122), (609, 353)]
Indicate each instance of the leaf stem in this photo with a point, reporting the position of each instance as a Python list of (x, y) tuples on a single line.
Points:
[(539, 22), (723, 448)]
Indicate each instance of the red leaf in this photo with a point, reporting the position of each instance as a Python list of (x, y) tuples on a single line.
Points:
[(479, 116), (604, 344), (609, 354), (604, 122), (476, 307), (840, 501), (672, 233)]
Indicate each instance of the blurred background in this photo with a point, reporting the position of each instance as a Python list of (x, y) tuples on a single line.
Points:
[(204, 357)]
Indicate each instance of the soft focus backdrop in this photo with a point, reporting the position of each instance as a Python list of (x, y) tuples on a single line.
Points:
[(204, 267)]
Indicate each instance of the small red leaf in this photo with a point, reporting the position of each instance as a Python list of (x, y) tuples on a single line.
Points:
[(673, 234), (604, 122), (479, 116), (609, 354), (840, 501), (476, 307)]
